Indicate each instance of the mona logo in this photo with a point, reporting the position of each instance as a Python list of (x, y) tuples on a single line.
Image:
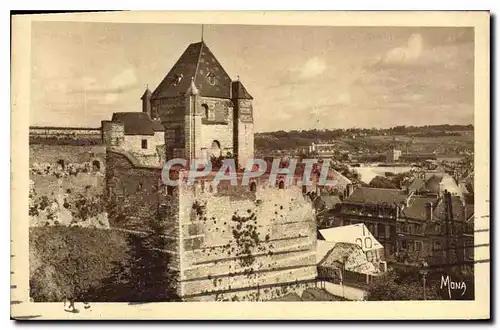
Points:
[(452, 286)]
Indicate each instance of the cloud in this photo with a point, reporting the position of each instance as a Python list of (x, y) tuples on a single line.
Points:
[(312, 68), (107, 91), (407, 53)]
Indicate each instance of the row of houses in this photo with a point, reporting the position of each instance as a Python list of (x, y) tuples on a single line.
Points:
[(412, 224)]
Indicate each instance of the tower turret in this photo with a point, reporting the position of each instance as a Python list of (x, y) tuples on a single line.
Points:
[(146, 102), (243, 123)]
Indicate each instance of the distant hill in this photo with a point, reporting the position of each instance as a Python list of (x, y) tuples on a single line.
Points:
[(352, 139)]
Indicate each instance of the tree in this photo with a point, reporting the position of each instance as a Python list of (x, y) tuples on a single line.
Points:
[(393, 286), (382, 182), (145, 275)]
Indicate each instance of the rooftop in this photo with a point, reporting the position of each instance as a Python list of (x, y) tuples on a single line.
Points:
[(138, 123), (365, 195), (198, 64)]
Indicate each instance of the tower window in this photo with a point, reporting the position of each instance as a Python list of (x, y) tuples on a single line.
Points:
[(177, 79), (211, 78), (144, 144), (206, 111)]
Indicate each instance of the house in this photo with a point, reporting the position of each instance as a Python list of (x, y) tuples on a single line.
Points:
[(349, 254)]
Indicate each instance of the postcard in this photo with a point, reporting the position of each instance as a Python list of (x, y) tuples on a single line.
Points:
[(250, 165)]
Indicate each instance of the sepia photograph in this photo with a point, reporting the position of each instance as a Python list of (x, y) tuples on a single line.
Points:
[(167, 161)]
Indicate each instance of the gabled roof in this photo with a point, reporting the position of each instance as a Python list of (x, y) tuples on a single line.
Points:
[(199, 63), (416, 184), (417, 208), (365, 195), (350, 234), (239, 91), (137, 123)]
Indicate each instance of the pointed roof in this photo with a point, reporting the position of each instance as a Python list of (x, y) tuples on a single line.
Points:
[(197, 63), (138, 123), (239, 91), (147, 94)]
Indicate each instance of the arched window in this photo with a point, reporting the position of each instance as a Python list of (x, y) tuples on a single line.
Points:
[(215, 149), (281, 184), (253, 187), (96, 165), (61, 163), (206, 110)]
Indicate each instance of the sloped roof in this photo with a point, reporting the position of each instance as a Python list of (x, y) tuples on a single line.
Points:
[(353, 256), (366, 195), (329, 201), (417, 208), (458, 210), (137, 123), (147, 94), (416, 184), (432, 183), (199, 63), (239, 91), (350, 234)]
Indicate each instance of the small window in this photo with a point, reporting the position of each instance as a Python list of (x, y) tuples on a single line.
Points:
[(144, 144), (253, 187), (211, 78), (206, 110), (177, 135), (177, 79)]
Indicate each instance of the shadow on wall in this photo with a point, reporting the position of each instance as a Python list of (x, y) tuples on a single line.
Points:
[(97, 265)]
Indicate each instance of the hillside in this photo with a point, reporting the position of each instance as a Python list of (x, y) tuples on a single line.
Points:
[(95, 265)]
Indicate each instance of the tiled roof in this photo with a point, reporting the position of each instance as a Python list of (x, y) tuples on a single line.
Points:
[(329, 201), (239, 91), (416, 184), (432, 184), (196, 62), (137, 123), (365, 195), (417, 208)]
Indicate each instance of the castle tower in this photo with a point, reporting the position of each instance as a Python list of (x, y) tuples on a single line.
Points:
[(146, 102), (196, 104), (243, 124)]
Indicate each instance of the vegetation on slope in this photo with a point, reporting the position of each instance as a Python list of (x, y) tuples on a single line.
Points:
[(87, 264)]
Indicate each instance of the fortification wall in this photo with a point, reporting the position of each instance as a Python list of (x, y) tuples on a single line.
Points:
[(40, 153), (132, 193), (65, 135), (225, 241), (233, 242)]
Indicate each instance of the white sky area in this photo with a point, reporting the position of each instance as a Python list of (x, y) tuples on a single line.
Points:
[(300, 77)]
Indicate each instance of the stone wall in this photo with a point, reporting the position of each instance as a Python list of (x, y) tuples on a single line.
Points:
[(133, 143), (65, 135), (232, 242), (40, 153), (132, 192)]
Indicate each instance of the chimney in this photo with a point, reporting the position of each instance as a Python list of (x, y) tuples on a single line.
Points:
[(428, 211), (349, 190)]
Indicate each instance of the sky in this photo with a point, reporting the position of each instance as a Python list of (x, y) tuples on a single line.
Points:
[(301, 77)]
